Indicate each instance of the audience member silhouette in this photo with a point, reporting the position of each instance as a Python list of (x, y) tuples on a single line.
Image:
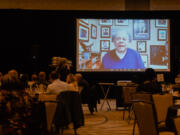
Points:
[(71, 80), (150, 84), (42, 81), (86, 93), (15, 108), (56, 85)]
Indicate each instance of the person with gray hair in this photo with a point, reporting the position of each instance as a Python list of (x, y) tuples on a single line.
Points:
[(122, 57)]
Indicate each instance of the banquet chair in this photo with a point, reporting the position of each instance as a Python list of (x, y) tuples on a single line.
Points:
[(127, 93), (140, 97), (69, 110), (47, 97), (177, 125), (37, 124), (146, 119), (161, 105), (50, 111)]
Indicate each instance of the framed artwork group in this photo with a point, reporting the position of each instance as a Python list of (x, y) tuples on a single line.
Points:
[(149, 38), (140, 31), (162, 34), (141, 28)]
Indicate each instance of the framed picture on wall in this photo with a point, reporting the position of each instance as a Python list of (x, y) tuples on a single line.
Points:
[(105, 31), (105, 21), (83, 33), (93, 31), (141, 46), (158, 55), (85, 21), (104, 45), (122, 22), (161, 23), (145, 59), (162, 34), (141, 29)]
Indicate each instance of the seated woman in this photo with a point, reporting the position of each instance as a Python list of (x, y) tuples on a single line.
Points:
[(14, 107), (150, 84)]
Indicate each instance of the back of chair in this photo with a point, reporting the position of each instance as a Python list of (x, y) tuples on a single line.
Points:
[(50, 111), (71, 108), (127, 94), (49, 97), (145, 118), (177, 125), (161, 104), (137, 97)]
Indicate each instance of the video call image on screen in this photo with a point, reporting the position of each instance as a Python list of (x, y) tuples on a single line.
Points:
[(122, 44)]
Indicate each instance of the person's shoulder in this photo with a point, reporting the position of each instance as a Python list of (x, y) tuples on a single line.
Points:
[(63, 83), (110, 53), (54, 83), (132, 51), (50, 86)]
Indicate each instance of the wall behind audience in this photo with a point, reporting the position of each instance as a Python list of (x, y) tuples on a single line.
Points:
[(112, 5), (29, 39), (63, 4), (32, 31)]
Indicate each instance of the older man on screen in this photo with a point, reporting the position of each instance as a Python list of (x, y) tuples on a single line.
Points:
[(122, 57)]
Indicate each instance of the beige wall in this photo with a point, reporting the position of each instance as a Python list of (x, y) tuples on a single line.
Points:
[(112, 5), (165, 5), (63, 4)]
